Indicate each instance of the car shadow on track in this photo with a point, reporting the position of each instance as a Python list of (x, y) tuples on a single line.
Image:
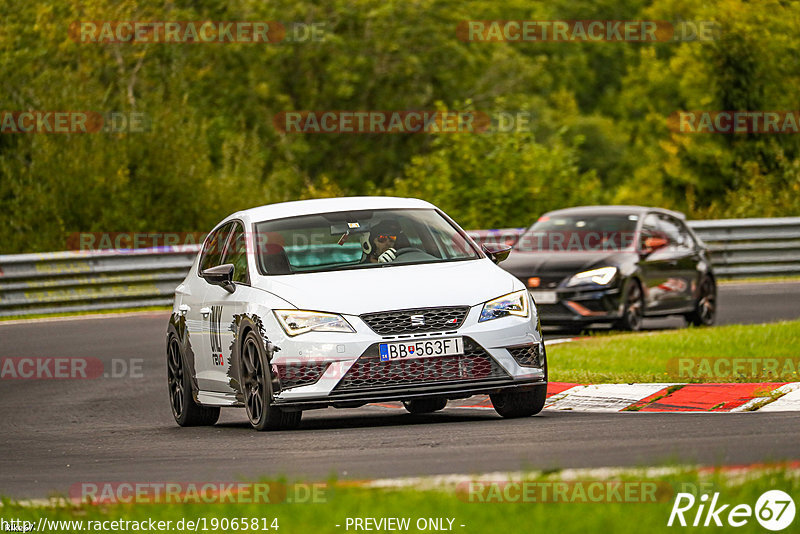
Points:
[(335, 420)]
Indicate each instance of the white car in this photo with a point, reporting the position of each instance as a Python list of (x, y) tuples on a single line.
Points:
[(342, 302)]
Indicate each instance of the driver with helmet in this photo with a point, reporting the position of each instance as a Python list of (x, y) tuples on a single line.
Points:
[(382, 242)]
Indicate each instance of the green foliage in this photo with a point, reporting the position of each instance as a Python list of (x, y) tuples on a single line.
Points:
[(600, 131)]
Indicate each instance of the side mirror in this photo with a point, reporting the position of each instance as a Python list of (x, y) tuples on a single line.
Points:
[(221, 275), (654, 243), (497, 253)]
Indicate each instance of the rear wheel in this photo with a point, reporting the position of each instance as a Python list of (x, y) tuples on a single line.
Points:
[(633, 309), (257, 389), (705, 311), (184, 409), (429, 405)]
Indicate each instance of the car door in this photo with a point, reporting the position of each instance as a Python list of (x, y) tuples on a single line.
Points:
[(682, 263), (220, 310), (202, 318), (678, 267), (653, 265)]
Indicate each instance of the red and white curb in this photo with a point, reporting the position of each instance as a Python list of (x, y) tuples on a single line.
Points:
[(658, 397)]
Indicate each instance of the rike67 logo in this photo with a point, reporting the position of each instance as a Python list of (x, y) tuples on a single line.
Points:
[(774, 510)]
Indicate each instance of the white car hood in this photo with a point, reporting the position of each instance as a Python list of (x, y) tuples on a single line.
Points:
[(358, 291)]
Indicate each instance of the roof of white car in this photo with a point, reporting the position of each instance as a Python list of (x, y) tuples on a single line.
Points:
[(327, 205)]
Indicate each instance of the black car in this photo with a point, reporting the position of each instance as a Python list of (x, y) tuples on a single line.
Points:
[(615, 265)]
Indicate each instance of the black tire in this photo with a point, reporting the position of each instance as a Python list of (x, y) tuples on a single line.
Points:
[(633, 308), (519, 403), (526, 403), (256, 386), (184, 408), (705, 310), (426, 405)]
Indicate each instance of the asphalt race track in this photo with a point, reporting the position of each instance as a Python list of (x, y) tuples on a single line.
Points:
[(56, 433)]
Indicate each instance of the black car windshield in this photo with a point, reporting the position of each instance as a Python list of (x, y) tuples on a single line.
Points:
[(580, 233), (358, 239)]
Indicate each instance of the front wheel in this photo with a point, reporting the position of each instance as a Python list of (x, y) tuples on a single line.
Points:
[(519, 403), (523, 403), (705, 311), (184, 409), (633, 308), (257, 389)]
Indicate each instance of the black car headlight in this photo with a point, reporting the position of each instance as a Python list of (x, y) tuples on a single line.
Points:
[(600, 277)]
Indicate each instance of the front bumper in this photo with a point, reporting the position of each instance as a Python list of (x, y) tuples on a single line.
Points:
[(582, 306), (320, 369)]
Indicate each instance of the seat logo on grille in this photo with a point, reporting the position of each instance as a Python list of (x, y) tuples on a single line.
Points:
[(417, 320)]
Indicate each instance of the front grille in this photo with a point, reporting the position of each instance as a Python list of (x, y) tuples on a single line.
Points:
[(547, 311), (409, 322), (294, 375), (370, 373), (526, 355)]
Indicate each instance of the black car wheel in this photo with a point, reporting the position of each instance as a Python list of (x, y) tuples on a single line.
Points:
[(705, 311), (633, 309), (429, 405), (525, 403), (256, 386), (519, 403), (185, 410)]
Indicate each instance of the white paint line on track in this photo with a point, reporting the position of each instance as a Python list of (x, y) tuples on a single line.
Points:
[(603, 397), (453, 480)]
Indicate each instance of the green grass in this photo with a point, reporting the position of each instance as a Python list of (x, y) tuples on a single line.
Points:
[(645, 357), (445, 501), (755, 280)]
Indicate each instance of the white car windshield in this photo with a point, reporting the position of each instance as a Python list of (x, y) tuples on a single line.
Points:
[(359, 239)]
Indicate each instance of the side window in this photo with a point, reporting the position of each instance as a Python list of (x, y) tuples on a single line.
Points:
[(212, 249), (686, 236), (236, 253), (678, 238), (650, 228)]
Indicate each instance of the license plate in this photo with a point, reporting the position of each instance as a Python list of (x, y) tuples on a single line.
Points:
[(429, 348), (544, 297)]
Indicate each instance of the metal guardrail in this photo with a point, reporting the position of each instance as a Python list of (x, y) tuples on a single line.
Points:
[(81, 281), (92, 280)]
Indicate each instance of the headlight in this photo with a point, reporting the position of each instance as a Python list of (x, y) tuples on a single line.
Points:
[(512, 304), (296, 322), (601, 277)]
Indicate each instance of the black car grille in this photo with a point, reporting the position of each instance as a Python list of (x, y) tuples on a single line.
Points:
[(553, 310), (400, 321), (370, 373), (526, 355), (294, 375)]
